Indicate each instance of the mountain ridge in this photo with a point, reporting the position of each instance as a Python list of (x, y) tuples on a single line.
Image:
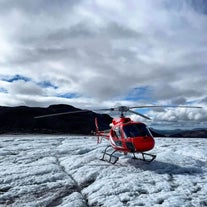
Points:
[(20, 120)]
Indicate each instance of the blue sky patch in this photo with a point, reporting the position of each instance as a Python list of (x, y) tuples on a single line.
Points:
[(47, 84), (16, 78), (69, 95), (139, 93), (3, 90)]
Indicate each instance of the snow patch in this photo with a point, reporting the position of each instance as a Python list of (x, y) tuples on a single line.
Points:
[(66, 172)]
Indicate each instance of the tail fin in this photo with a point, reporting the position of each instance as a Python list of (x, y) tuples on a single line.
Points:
[(96, 124), (101, 134), (98, 133)]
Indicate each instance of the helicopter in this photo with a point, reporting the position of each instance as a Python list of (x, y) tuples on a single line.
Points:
[(125, 135)]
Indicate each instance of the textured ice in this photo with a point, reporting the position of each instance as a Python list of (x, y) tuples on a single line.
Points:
[(65, 171)]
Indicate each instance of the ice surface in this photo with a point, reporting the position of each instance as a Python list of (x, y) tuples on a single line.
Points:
[(65, 171)]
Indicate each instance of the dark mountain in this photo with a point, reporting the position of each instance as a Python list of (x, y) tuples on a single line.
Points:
[(201, 133), (156, 133), (21, 120), (166, 132)]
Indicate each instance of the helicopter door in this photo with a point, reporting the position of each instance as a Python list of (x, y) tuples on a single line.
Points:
[(118, 137)]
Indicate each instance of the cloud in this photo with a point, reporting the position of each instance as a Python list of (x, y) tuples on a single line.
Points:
[(90, 53)]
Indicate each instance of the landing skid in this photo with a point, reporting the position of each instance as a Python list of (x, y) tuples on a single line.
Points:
[(111, 158), (146, 157)]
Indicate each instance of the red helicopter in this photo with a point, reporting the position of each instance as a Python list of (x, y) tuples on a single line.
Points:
[(125, 135), (128, 136)]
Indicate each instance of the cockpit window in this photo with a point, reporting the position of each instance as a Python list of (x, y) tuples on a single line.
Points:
[(135, 130)]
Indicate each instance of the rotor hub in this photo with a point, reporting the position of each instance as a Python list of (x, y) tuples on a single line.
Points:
[(123, 108)]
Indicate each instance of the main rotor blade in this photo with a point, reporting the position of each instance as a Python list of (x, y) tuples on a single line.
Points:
[(167, 106), (142, 115), (106, 109), (59, 114), (126, 108)]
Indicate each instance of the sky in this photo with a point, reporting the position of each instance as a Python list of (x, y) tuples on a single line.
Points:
[(95, 54)]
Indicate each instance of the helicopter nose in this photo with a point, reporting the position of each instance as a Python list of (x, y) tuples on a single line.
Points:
[(144, 144)]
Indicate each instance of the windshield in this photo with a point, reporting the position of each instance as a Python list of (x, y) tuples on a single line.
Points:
[(136, 130)]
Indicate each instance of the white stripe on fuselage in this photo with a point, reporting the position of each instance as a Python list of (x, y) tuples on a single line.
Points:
[(113, 143)]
